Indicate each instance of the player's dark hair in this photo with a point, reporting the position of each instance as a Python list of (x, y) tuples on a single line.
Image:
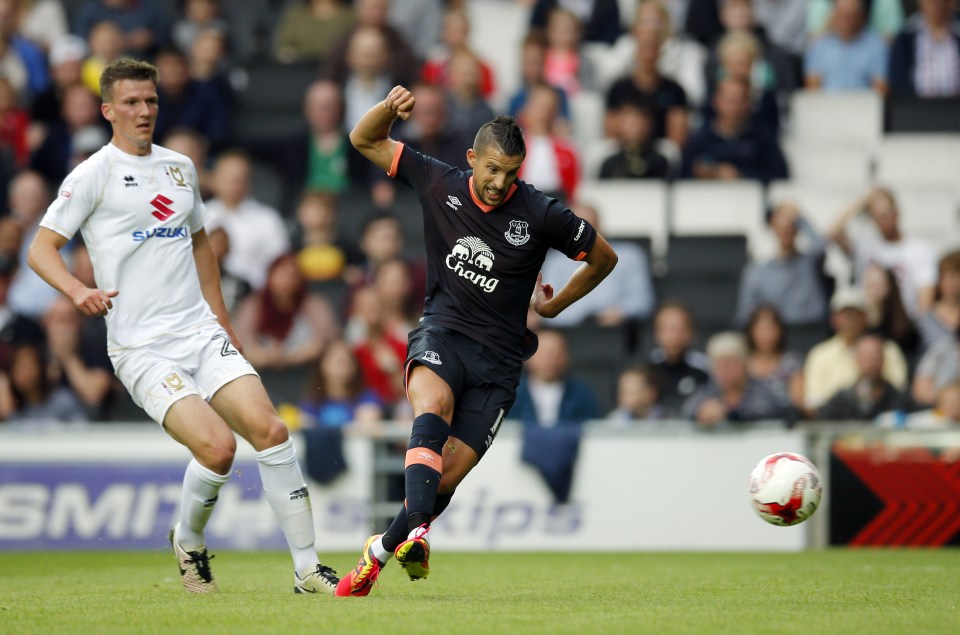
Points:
[(126, 68), (502, 133)]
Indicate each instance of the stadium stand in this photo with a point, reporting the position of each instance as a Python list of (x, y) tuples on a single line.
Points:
[(898, 164), (813, 163), (630, 209), (719, 207), (832, 119), (907, 113)]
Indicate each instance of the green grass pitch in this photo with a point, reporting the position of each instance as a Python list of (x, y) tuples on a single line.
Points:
[(836, 591)]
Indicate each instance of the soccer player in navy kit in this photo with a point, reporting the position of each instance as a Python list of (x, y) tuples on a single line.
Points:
[(486, 237)]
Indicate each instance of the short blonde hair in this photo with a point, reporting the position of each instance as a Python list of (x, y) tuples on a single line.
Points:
[(727, 344)]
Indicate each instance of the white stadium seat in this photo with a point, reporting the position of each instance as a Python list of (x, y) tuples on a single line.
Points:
[(930, 213), (919, 160), (497, 30), (719, 207), (630, 209), (822, 164), (586, 110), (841, 118)]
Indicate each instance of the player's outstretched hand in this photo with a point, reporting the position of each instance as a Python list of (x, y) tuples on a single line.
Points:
[(401, 101), (542, 293), (94, 302)]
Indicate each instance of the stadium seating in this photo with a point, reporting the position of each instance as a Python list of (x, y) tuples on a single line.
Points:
[(836, 118), (596, 354), (930, 213), (907, 113), (703, 271), (586, 110), (719, 207), (813, 163), (504, 23), (919, 160), (630, 209), (270, 100)]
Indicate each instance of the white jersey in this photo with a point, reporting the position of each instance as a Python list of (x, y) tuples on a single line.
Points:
[(138, 216)]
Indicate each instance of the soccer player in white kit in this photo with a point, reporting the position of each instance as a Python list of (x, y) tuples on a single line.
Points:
[(139, 209)]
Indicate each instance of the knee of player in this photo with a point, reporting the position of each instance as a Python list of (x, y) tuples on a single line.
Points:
[(435, 404), (217, 455), (273, 433)]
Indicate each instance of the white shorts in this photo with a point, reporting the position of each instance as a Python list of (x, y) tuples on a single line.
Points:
[(160, 374)]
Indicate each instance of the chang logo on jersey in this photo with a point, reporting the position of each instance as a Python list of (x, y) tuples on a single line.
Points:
[(140, 235), (468, 258)]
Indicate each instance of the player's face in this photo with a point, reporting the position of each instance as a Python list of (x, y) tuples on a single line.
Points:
[(133, 113), (493, 174)]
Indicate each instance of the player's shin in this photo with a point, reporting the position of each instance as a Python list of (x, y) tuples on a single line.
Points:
[(287, 494), (200, 489), (423, 467)]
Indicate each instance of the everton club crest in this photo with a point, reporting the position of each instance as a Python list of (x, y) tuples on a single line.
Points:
[(517, 234)]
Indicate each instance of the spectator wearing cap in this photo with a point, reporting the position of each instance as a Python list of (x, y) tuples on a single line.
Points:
[(66, 64), (870, 395), (832, 365), (731, 395)]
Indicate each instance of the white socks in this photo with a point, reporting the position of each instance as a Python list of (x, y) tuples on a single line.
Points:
[(382, 554), (200, 487), (379, 552), (286, 491)]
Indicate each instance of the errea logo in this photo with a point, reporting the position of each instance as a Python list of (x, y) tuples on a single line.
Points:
[(453, 202)]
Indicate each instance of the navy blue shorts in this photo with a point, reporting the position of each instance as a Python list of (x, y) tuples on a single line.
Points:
[(484, 385)]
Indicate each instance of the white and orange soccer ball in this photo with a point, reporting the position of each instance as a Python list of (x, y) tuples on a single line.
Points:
[(785, 488)]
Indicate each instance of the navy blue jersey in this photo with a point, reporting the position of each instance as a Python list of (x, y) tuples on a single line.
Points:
[(482, 261)]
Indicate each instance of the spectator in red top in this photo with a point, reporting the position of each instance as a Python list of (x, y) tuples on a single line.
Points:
[(284, 325), (14, 122), (551, 163), (565, 66), (456, 36), (379, 352)]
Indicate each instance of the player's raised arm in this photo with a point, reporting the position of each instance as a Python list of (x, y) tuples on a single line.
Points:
[(599, 262), (371, 135), (44, 258)]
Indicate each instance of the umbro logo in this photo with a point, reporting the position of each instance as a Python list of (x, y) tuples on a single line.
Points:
[(453, 203), (129, 181)]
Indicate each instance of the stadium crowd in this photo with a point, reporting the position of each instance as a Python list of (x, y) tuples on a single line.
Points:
[(320, 254)]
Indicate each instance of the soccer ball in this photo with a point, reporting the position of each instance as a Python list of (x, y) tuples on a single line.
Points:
[(785, 488)]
